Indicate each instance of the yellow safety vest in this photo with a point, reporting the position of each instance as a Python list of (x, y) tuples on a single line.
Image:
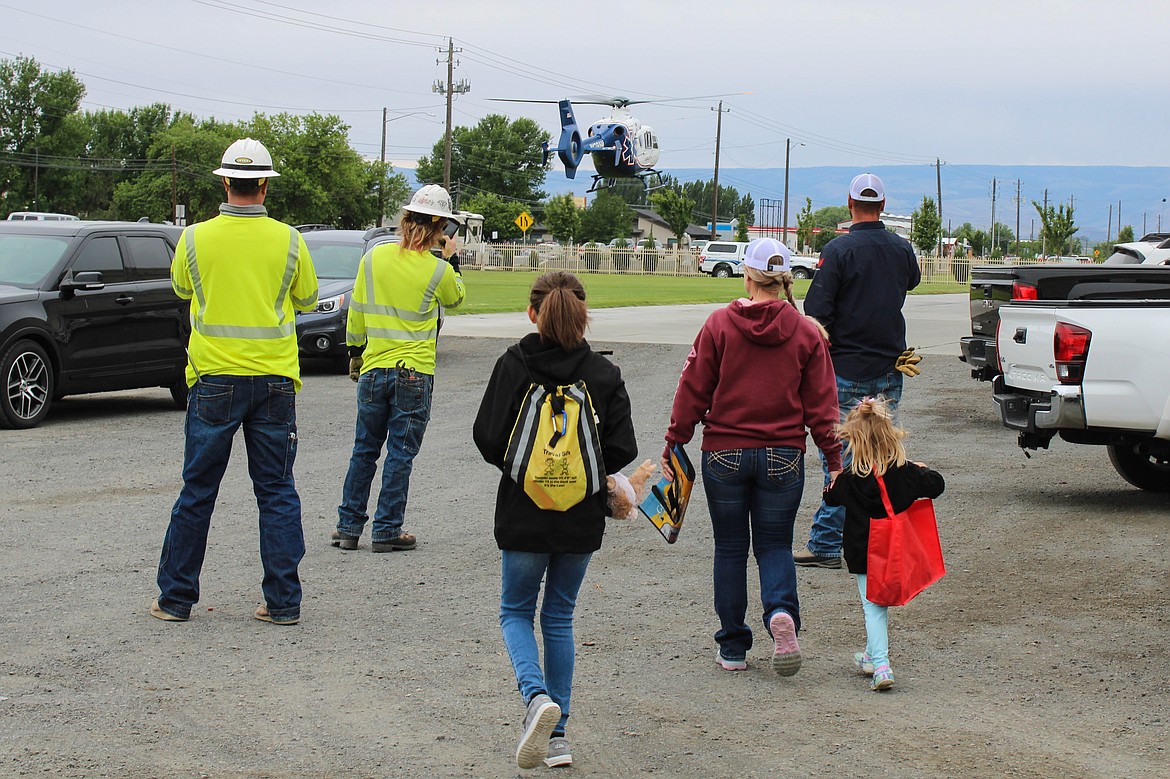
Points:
[(395, 306), (244, 274)]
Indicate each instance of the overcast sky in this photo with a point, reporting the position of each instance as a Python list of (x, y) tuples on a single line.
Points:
[(1010, 82)]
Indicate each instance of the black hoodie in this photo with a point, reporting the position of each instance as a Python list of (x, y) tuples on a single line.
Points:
[(520, 525)]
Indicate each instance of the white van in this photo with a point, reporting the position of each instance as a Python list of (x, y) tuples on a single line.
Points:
[(38, 216), (724, 259)]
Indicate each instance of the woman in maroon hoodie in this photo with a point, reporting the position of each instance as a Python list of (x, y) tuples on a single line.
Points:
[(758, 376)]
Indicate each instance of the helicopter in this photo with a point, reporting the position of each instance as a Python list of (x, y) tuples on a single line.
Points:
[(621, 146)]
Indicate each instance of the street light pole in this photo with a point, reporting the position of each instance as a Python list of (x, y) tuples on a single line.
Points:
[(787, 150), (382, 181)]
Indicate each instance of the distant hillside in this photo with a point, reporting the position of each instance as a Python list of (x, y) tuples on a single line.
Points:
[(966, 191)]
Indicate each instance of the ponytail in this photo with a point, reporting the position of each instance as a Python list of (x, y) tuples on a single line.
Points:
[(874, 440), (561, 315)]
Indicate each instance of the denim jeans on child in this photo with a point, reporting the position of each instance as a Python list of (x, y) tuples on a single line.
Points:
[(521, 577), (877, 637), (824, 539), (217, 406), (394, 407), (753, 496)]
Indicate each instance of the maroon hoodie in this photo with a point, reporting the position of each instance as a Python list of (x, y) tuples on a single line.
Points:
[(759, 374)]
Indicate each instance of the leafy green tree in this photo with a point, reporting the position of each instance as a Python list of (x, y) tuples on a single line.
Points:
[(676, 209), (499, 215), (1056, 227), (731, 204), (34, 104), (497, 155), (823, 237), (741, 230), (1125, 234), (322, 178), (805, 223), (563, 218), (926, 227), (830, 216), (1004, 241), (607, 217), (198, 146)]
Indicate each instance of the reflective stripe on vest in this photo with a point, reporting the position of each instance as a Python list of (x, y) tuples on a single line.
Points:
[(282, 330)]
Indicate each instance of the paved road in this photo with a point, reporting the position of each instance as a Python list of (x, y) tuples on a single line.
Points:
[(934, 323)]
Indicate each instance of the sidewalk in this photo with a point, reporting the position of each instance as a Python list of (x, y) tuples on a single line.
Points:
[(934, 323)]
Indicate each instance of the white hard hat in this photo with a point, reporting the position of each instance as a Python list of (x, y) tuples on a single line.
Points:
[(431, 199), (246, 159)]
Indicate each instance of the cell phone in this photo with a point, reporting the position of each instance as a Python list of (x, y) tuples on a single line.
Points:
[(451, 228)]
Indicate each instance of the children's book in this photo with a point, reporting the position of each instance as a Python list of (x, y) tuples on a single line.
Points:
[(666, 504)]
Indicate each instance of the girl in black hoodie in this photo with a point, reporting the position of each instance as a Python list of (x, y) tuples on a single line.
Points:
[(542, 545), (876, 444)]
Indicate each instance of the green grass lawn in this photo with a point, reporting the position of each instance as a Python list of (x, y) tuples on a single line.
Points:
[(492, 292)]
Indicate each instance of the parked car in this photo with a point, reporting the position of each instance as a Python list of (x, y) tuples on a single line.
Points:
[(40, 216), (1152, 249), (723, 259), (87, 307), (336, 254)]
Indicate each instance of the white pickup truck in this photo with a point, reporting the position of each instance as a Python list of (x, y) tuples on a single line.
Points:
[(1092, 372)]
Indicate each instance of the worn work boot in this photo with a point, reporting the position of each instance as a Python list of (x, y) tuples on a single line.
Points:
[(343, 541), (263, 615), (400, 543), (807, 559)]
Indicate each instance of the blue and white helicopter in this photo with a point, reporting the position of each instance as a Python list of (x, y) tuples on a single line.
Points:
[(620, 146)]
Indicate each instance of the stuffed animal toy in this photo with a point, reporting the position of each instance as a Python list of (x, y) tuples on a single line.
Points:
[(625, 493)]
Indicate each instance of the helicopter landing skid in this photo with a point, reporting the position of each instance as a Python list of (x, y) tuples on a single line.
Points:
[(645, 176)]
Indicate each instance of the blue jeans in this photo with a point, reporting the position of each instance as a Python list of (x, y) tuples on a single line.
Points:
[(394, 407), (877, 637), (824, 538), (753, 496), (521, 576), (216, 408)]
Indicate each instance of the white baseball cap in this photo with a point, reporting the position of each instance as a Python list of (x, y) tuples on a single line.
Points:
[(867, 182), (767, 254)]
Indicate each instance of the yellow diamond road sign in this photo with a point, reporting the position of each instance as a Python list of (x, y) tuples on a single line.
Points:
[(524, 221)]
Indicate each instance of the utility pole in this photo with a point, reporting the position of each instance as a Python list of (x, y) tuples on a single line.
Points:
[(1043, 232), (1118, 218), (174, 188), (1017, 217), (993, 242), (938, 182), (450, 89), (715, 197), (1109, 225), (787, 149), (382, 178)]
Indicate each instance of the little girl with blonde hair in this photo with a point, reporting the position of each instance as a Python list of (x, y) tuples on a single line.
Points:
[(876, 444)]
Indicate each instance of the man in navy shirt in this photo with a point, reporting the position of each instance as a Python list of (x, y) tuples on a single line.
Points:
[(857, 294)]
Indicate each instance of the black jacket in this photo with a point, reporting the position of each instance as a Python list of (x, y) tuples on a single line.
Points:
[(520, 525), (862, 500), (857, 294)]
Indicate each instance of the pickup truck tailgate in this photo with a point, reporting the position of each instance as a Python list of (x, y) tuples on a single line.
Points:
[(1127, 368)]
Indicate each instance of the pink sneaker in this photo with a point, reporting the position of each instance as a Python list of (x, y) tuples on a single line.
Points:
[(786, 655)]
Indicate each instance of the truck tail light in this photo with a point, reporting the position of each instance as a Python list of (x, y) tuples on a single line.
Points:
[(1021, 291), (1071, 345)]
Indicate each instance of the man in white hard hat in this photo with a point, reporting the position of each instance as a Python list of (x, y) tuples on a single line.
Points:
[(245, 275), (392, 330), (857, 294)]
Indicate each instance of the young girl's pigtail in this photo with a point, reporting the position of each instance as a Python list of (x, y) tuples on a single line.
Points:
[(874, 441)]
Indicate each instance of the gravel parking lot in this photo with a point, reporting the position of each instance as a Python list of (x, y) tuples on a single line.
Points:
[(1042, 653)]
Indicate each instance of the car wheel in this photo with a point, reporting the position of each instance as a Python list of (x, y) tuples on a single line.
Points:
[(1141, 468), (179, 393), (27, 386), (801, 273), (722, 272)]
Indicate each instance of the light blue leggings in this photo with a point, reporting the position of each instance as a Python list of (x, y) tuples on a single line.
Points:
[(877, 638)]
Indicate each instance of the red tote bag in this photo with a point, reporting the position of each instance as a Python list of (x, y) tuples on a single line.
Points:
[(904, 555)]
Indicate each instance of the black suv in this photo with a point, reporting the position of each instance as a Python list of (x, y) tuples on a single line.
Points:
[(336, 254), (87, 307)]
